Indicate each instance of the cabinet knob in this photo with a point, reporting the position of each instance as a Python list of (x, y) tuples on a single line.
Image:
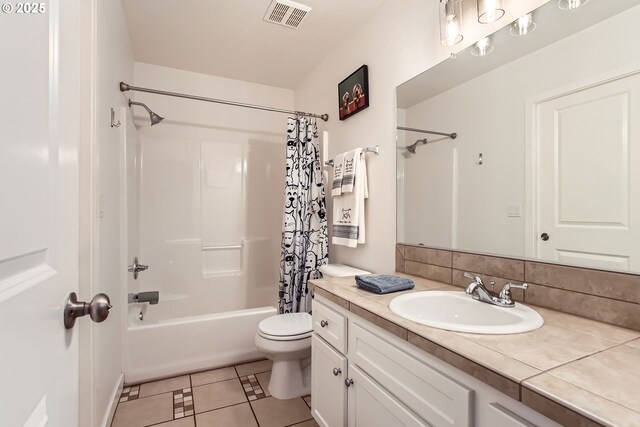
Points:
[(348, 382), (544, 237), (324, 323), (337, 371)]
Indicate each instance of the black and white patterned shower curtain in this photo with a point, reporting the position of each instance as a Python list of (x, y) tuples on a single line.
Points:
[(304, 233)]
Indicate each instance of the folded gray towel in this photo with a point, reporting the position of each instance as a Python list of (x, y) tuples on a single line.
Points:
[(383, 284)]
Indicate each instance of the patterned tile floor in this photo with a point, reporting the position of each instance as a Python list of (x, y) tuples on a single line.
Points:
[(236, 396)]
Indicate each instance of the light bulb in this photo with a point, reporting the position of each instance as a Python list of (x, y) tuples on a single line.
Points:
[(523, 26), (571, 4), (450, 22), (482, 47), (452, 32), (490, 10)]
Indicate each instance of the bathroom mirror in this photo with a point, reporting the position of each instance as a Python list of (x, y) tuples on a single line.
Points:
[(546, 162)]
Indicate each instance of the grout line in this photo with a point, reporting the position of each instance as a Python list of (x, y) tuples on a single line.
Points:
[(168, 421), (222, 407), (193, 397), (252, 411), (307, 403), (151, 395), (298, 423)]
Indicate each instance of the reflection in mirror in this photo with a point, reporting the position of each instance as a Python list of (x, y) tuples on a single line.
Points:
[(546, 163)]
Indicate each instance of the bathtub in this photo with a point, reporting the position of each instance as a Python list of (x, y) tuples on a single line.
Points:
[(157, 348)]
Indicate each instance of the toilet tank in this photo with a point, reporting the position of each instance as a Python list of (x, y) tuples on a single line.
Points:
[(340, 270)]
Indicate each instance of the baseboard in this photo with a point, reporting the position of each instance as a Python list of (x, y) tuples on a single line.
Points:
[(114, 403)]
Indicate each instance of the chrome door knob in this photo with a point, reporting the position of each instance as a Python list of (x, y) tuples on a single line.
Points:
[(337, 371), (324, 323), (544, 237), (97, 309)]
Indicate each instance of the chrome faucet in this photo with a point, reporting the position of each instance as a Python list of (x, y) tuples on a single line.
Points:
[(478, 292)]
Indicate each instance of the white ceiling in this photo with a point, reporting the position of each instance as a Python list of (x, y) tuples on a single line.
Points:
[(229, 38)]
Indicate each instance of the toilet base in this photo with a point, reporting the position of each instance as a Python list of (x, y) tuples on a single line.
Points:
[(290, 378), (291, 371)]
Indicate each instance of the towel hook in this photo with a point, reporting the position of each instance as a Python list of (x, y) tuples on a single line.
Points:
[(113, 119)]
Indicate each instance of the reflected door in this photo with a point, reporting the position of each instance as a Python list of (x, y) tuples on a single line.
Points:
[(588, 176)]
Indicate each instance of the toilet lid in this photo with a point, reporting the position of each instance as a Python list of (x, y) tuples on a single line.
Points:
[(286, 325)]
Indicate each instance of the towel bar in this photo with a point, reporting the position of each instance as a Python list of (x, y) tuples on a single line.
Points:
[(375, 150)]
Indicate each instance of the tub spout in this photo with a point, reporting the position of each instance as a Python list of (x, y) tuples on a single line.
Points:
[(152, 297)]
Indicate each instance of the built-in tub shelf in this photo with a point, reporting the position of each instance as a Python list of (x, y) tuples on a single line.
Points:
[(222, 260)]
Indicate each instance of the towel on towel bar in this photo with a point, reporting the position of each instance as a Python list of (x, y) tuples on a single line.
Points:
[(351, 164), (348, 210), (383, 284), (338, 169)]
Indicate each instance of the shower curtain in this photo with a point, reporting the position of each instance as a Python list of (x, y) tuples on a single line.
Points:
[(304, 233)]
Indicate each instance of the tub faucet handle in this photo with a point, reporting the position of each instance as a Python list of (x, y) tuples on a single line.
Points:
[(136, 268)]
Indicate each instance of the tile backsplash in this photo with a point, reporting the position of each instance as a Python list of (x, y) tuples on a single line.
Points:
[(601, 295)]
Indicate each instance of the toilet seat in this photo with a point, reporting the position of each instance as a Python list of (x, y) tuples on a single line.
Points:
[(286, 327)]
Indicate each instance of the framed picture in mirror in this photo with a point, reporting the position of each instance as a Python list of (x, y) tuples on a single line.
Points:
[(353, 93)]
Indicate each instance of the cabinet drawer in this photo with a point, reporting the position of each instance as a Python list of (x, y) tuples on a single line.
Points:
[(330, 325), (501, 416), (435, 397), (328, 391)]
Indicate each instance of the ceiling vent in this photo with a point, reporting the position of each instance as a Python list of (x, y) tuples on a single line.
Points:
[(287, 13)]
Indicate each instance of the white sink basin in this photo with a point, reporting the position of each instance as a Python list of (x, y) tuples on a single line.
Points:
[(457, 311)]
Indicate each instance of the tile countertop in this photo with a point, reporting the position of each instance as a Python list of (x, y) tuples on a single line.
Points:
[(574, 370)]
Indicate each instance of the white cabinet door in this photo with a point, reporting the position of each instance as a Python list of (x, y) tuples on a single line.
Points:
[(588, 176), (372, 406), (431, 394), (328, 390), (39, 140)]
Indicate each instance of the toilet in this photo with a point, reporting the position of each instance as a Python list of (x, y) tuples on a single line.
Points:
[(286, 339)]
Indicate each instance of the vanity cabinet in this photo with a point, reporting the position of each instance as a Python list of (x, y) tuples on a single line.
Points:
[(372, 383), (364, 376), (333, 400)]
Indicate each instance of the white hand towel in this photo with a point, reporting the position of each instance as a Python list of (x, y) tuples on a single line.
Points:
[(338, 168), (349, 213), (351, 162)]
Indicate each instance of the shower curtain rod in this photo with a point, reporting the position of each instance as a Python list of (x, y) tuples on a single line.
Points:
[(450, 135), (126, 87)]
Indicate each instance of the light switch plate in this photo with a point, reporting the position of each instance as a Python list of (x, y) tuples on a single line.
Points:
[(514, 210)]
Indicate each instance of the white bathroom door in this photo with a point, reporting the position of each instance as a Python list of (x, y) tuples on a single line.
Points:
[(588, 185), (39, 109)]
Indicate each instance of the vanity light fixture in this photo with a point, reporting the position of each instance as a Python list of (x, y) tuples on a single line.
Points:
[(571, 4), (523, 26), (490, 10), (450, 22), (482, 47)]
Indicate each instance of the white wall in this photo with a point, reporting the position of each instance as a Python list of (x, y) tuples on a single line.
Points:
[(108, 59), (212, 175), (489, 115), (398, 42)]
